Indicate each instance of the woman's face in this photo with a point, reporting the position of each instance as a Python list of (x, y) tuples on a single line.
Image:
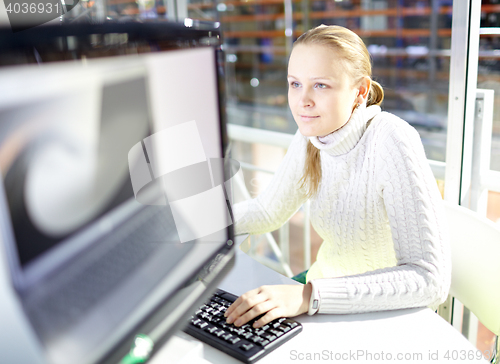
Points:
[(320, 93)]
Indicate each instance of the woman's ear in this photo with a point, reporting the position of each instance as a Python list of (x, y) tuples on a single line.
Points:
[(363, 89)]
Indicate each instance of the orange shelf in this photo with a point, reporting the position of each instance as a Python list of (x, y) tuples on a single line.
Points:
[(401, 33), (135, 11), (257, 17), (351, 13), (260, 66), (240, 3), (387, 12), (257, 34), (483, 78), (490, 8), (413, 74)]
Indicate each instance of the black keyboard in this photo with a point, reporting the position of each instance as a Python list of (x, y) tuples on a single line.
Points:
[(244, 343)]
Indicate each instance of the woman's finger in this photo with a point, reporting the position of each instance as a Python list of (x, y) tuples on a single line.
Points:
[(271, 315), (239, 300), (256, 310), (244, 303)]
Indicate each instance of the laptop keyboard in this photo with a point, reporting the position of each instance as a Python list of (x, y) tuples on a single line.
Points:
[(129, 246), (244, 343)]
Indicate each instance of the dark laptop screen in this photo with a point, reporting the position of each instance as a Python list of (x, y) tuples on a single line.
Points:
[(57, 183)]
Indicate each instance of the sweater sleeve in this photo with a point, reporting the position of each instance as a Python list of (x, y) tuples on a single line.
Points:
[(415, 213), (281, 198)]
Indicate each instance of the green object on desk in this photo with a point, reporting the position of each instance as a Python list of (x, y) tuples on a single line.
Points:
[(301, 277), (140, 351)]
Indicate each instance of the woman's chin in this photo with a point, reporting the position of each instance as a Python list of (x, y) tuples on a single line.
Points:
[(307, 132)]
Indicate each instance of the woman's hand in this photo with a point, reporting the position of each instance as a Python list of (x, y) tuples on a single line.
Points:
[(273, 301)]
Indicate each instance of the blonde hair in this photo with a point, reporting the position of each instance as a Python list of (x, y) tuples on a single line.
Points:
[(356, 61)]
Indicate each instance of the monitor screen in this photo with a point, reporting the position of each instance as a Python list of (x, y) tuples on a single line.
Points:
[(113, 202), (69, 168)]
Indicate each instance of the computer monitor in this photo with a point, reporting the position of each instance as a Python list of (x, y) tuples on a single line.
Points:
[(115, 216)]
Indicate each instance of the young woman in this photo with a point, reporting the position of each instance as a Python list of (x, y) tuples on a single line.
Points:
[(374, 200)]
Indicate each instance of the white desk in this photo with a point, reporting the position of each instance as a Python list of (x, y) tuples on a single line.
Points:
[(417, 335)]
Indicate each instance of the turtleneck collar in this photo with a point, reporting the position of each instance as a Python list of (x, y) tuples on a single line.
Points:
[(342, 140)]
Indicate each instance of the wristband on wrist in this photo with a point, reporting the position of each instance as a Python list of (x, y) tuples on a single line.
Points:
[(314, 301)]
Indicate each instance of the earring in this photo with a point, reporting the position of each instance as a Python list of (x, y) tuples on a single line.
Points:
[(358, 105)]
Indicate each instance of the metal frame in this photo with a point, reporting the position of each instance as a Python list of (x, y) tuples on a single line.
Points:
[(477, 194), (461, 99), (461, 104), (481, 152), (495, 359)]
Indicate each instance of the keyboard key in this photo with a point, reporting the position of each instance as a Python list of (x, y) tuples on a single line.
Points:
[(256, 339), (234, 340), (270, 337), (219, 333), (227, 336), (284, 328), (211, 329), (238, 331), (246, 347), (290, 323), (276, 332), (251, 329)]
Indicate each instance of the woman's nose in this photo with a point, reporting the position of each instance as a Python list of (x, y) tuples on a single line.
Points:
[(306, 100)]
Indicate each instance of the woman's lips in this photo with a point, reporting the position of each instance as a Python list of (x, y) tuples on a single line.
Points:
[(307, 118)]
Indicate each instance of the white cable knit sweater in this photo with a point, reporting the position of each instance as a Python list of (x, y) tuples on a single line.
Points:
[(378, 210)]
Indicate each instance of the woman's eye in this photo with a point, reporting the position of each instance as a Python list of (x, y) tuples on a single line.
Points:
[(320, 85), (294, 84)]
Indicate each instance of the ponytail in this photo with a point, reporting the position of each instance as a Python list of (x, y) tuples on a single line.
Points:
[(312, 170), (375, 95)]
